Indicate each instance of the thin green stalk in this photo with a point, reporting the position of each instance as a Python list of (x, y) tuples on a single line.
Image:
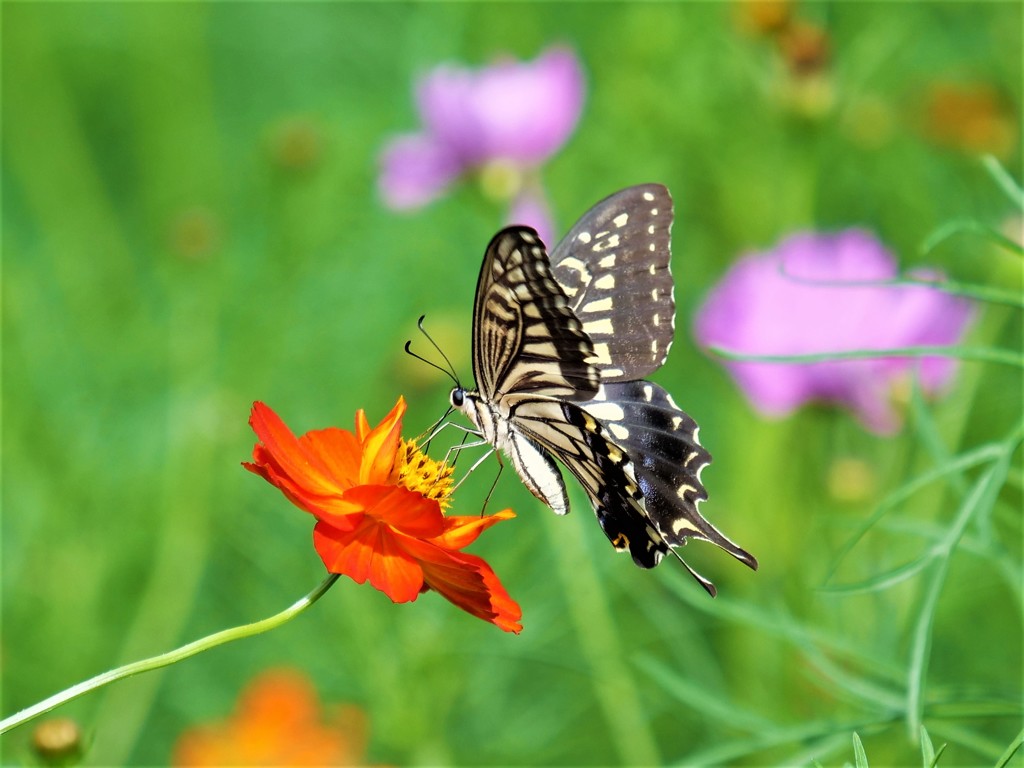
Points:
[(983, 493), (621, 703), (171, 657), (1005, 181), (980, 354), (1011, 750), (968, 227), (965, 461)]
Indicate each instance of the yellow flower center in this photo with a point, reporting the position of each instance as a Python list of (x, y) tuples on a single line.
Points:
[(422, 474)]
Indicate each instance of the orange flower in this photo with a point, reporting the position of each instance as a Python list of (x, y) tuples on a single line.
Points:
[(278, 721), (972, 117), (378, 503)]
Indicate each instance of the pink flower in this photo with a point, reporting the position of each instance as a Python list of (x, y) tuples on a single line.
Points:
[(791, 301), (510, 114), (531, 208)]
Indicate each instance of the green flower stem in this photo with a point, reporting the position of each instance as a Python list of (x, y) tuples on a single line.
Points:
[(982, 354), (171, 657)]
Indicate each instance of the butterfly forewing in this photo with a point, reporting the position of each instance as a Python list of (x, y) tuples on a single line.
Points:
[(525, 337), (614, 267)]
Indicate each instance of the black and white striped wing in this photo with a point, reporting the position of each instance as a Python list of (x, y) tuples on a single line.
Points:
[(559, 351), (525, 336), (614, 267), (662, 441), (581, 443)]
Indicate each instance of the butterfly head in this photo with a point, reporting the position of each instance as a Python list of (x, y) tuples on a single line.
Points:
[(480, 414), (457, 397)]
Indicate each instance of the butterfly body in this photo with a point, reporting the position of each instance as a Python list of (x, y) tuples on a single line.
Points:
[(561, 346)]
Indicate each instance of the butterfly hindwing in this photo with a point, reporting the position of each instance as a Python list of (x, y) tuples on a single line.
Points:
[(605, 471), (614, 267), (668, 458)]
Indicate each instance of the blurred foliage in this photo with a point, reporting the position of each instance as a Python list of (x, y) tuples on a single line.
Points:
[(190, 224)]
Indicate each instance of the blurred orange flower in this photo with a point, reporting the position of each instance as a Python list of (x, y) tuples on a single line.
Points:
[(972, 117), (762, 17), (378, 503), (278, 721)]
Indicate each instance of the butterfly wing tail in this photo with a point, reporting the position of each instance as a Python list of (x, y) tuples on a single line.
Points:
[(668, 459)]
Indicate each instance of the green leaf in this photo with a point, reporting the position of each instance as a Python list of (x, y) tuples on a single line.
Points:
[(859, 755), (927, 750)]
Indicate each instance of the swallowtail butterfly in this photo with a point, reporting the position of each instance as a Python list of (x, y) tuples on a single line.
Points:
[(561, 346)]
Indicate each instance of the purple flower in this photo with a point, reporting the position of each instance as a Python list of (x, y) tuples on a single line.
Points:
[(791, 301), (510, 114)]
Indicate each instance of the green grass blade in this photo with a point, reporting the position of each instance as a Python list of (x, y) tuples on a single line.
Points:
[(591, 614), (957, 465), (1005, 181), (1011, 750), (983, 493), (714, 705), (736, 750), (982, 293), (968, 226), (885, 579)]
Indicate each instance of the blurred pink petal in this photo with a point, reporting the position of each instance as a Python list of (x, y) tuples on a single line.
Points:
[(415, 169), (787, 302), (516, 112), (530, 208)]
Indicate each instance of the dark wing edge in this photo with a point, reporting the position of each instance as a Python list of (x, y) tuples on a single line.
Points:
[(614, 265)]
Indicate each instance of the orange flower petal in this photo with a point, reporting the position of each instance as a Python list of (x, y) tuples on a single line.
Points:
[(468, 582), (369, 552), (281, 697), (380, 445), (333, 506), (393, 572), (362, 426), (406, 511), (461, 531), (289, 456), (338, 452)]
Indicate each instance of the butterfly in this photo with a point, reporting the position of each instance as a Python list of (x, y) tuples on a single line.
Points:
[(562, 344)]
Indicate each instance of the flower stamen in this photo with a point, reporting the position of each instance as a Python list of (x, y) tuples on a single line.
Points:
[(421, 474)]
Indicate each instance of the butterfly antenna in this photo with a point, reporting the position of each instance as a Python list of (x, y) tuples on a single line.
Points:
[(435, 345), (431, 363)]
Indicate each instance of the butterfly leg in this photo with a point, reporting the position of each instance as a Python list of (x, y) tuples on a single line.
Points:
[(438, 429), (487, 498), (476, 464)]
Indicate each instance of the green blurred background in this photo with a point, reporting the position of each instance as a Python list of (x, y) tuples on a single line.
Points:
[(190, 223)]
